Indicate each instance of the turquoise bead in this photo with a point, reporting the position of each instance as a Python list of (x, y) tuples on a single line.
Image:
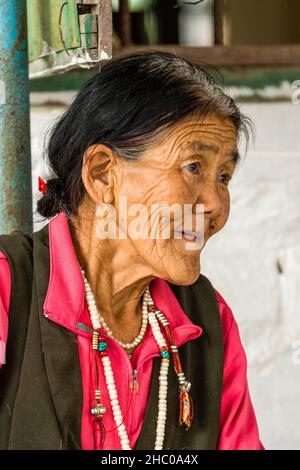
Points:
[(93, 411), (165, 354), (102, 346)]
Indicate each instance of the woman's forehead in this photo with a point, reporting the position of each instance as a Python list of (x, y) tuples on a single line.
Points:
[(212, 134), (209, 125)]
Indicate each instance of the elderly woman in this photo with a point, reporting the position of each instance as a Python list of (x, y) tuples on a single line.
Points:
[(114, 340)]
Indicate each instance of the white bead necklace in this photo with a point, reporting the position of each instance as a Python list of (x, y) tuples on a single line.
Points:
[(100, 320), (109, 377)]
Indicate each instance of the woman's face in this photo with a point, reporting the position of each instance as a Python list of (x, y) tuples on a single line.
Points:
[(192, 164)]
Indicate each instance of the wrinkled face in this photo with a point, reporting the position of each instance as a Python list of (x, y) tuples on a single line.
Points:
[(192, 164)]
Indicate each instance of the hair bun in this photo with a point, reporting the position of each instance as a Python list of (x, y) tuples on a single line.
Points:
[(51, 203), (54, 184)]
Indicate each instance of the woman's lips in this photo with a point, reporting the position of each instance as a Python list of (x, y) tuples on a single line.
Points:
[(190, 236)]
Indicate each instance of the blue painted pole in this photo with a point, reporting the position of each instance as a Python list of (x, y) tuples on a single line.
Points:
[(15, 158)]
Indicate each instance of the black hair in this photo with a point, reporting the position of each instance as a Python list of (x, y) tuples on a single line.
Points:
[(125, 105)]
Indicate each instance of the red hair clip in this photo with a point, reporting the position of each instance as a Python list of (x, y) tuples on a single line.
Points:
[(42, 185)]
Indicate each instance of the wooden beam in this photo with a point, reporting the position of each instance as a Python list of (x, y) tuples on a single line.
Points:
[(230, 56)]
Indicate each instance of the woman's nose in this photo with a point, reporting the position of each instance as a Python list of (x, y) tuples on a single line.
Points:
[(211, 199)]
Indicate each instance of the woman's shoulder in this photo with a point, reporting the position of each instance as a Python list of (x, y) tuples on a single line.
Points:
[(5, 288), (5, 281), (2, 256), (227, 317)]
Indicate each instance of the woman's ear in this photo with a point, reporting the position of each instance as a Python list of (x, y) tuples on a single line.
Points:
[(97, 165)]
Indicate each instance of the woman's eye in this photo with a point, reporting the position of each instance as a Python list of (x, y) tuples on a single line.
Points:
[(193, 168), (226, 178)]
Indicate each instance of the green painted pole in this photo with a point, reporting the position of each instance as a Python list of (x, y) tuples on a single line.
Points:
[(15, 158)]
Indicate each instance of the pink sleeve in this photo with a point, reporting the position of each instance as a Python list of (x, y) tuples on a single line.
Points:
[(5, 287), (238, 426)]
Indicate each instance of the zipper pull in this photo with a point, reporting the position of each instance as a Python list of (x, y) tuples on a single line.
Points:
[(134, 382)]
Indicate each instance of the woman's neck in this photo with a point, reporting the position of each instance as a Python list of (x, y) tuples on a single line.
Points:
[(118, 278)]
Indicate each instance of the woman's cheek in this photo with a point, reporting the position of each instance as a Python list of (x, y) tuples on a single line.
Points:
[(218, 222), (222, 218)]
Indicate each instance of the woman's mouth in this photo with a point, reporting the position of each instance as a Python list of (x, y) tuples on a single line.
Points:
[(191, 236)]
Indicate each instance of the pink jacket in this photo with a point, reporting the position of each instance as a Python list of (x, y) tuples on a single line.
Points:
[(65, 304)]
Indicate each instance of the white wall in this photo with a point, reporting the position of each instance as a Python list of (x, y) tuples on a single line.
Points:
[(242, 260), (261, 237)]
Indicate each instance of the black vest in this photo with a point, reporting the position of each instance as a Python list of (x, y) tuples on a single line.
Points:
[(40, 384)]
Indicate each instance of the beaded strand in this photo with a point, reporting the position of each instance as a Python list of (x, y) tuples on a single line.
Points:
[(99, 410)]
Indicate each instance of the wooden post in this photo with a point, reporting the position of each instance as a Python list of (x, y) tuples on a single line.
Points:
[(125, 22), (219, 14)]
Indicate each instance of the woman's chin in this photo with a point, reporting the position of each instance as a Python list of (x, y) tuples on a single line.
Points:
[(186, 277)]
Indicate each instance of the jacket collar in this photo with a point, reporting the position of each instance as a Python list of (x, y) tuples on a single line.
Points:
[(65, 300)]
